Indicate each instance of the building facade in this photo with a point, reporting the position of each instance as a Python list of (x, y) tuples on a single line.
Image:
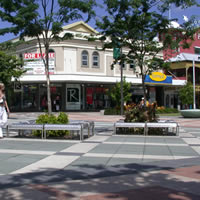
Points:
[(80, 73), (181, 66)]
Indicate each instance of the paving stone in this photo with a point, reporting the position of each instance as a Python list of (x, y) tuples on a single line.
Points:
[(90, 161), (116, 139), (10, 166), (105, 148), (122, 161), (174, 140), (135, 139), (156, 150), (130, 149), (190, 172), (184, 151), (26, 158), (152, 193), (35, 145), (5, 156), (154, 140)]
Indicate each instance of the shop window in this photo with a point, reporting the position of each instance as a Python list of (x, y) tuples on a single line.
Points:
[(197, 50), (95, 59), (84, 59), (123, 66), (51, 51), (132, 65)]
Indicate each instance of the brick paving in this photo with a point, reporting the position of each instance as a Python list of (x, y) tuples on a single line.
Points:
[(150, 193)]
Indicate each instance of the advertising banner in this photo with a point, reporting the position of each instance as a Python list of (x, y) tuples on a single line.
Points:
[(158, 78), (33, 63)]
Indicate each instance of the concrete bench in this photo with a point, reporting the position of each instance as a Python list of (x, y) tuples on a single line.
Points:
[(22, 127), (147, 125), (67, 127), (165, 125), (86, 124), (128, 125)]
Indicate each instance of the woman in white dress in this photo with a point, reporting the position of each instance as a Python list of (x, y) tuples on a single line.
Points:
[(3, 113)]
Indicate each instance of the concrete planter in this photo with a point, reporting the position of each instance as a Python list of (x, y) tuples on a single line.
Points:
[(190, 113)]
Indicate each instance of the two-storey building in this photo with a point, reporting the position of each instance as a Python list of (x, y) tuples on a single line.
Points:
[(80, 74)]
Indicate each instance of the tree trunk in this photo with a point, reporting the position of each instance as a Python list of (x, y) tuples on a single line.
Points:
[(144, 88), (48, 82)]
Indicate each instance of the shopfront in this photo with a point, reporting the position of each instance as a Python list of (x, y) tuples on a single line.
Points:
[(70, 96)]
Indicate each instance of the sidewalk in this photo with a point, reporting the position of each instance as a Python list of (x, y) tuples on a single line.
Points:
[(102, 167), (98, 117)]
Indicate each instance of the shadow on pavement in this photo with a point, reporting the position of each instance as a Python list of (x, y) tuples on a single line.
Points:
[(77, 180)]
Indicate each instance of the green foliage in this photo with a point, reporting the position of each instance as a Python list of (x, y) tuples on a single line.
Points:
[(10, 66), (136, 113), (166, 110), (62, 118), (134, 25), (43, 20), (116, 92), (112, 111), (186, 94)]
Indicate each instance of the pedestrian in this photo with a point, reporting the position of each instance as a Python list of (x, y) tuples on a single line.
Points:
[(57, 103), (44, 103), (3, 114), (142, 104)]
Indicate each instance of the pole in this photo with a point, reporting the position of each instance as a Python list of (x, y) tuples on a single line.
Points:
[(170, 16), (194, 95), (122, 88)]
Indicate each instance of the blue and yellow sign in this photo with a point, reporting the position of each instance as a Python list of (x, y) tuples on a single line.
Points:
[(158, 78)]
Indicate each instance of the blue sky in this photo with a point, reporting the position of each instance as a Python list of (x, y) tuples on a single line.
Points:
[(175, 13)]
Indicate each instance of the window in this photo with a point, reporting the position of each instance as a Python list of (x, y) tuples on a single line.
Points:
[(84, 58), (124, 66), (51, 51), (132, 65), (197, 50), (95, 59)]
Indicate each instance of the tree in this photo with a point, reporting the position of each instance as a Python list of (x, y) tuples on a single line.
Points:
[(116, 93), (43, 20), (186, 94), (10, 67), (135, 26)]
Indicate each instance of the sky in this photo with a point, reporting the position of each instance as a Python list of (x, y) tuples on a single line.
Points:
[(177, 13)]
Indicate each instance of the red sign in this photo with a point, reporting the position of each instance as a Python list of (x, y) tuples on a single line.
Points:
[(36, 56)]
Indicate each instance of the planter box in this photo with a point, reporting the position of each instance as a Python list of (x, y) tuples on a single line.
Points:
[(191, 113)]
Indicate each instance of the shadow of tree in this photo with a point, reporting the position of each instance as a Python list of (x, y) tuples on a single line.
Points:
[(74, 181)]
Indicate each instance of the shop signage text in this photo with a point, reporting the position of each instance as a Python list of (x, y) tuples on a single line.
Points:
[(158, 76), (35, 65), (37, 56)]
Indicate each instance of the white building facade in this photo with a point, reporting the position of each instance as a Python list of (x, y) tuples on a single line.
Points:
[(80, 74)]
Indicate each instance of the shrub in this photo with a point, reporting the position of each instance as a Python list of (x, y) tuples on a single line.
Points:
[(136, 113), (112, 111), (62, 118), (166, 110)]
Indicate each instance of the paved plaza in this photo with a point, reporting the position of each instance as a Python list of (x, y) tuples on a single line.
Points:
[(102, 167)]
